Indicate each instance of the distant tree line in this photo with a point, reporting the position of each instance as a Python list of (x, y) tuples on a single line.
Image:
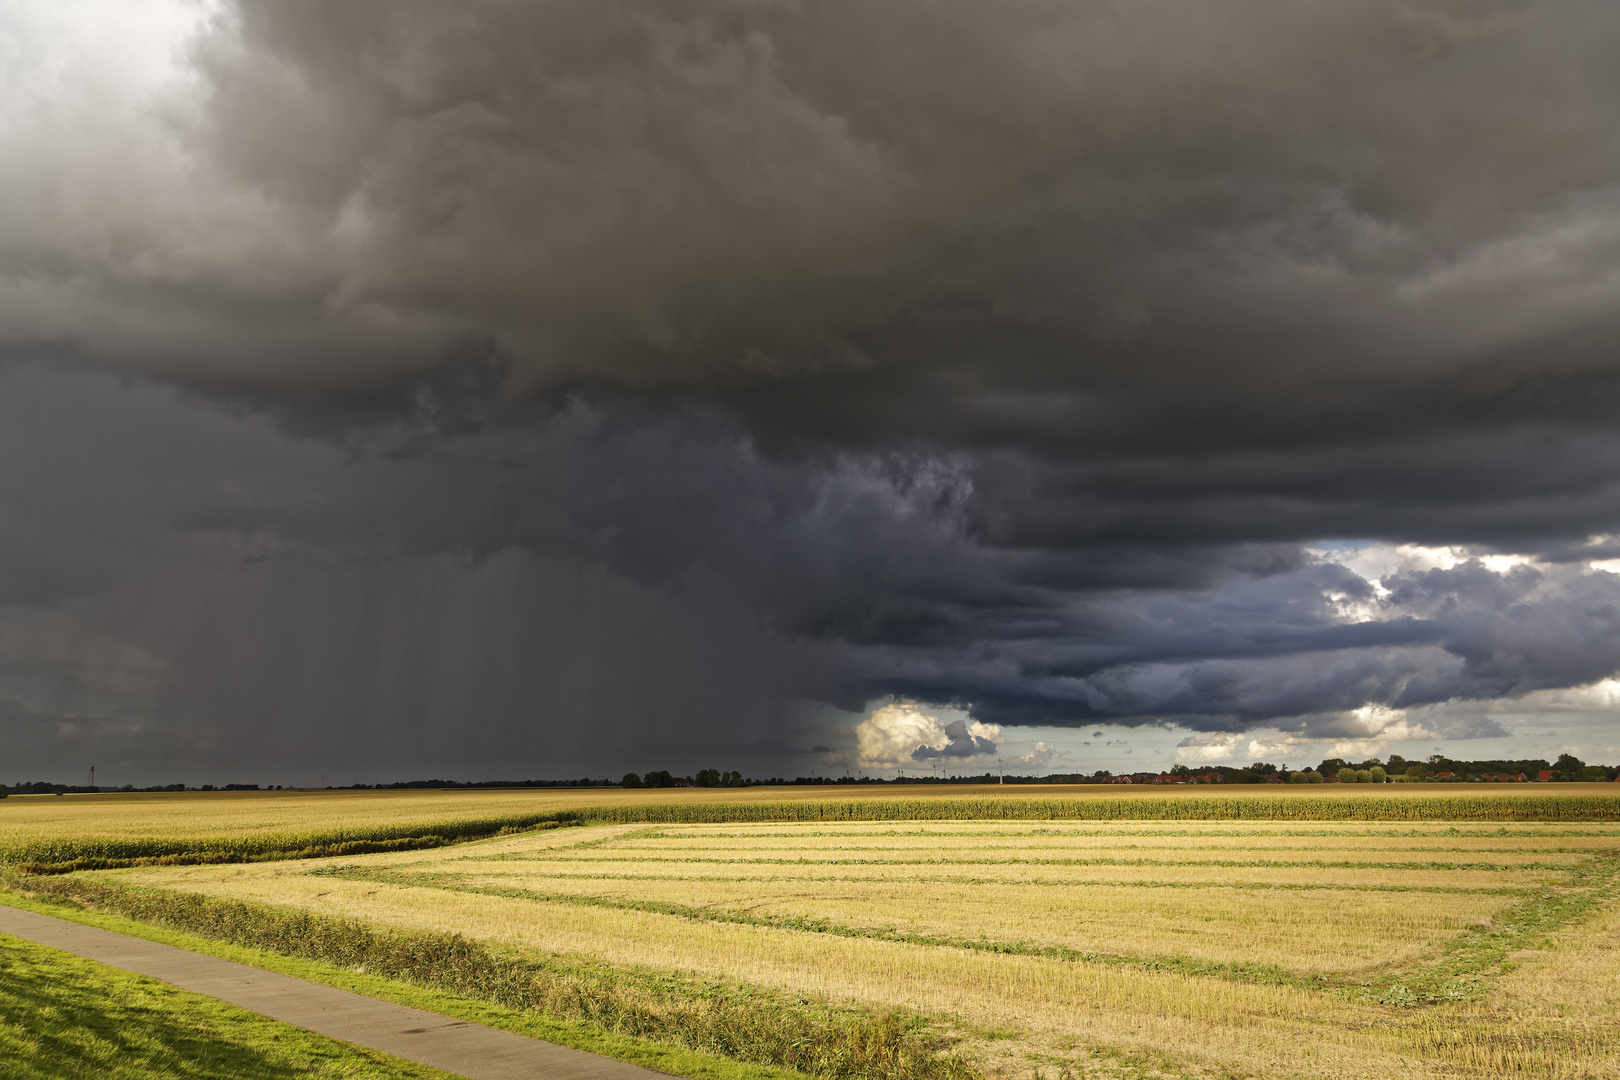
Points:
[(41, 787), (1436, 769), (702, 778)]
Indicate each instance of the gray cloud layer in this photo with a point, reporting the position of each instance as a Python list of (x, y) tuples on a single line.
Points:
[(1003, 355)]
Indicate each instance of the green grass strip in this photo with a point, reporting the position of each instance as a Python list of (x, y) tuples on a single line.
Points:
[(1468, 962), (67, 1018)]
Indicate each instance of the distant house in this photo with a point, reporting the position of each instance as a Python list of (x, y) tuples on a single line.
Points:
[(1545, 775)]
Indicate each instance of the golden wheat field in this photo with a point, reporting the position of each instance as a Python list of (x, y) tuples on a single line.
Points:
[(1185, 947)]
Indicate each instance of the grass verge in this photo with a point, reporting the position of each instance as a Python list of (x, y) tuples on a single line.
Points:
[(63, 1017), (707, 1029)]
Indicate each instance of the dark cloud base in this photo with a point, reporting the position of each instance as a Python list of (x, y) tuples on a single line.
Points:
[(547, 380)]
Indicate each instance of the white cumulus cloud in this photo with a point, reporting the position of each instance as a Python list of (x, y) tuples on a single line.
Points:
[(901, 732)]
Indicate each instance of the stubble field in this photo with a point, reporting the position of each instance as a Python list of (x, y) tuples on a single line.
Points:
[(1184, 946)]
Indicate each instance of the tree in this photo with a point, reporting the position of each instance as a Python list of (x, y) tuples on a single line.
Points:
[(707, 778), (1347, 775), (1297, 778), (1377, 774), (1364, 776), (1314, 777), (630, 780)]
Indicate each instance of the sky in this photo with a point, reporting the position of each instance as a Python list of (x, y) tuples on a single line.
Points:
[(395, 390)]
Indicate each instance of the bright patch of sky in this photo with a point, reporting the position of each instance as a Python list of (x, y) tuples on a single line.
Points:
[(1544, 724), (1375, 561), (49, 46)]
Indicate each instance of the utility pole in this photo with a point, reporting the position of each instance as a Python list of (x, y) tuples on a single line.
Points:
[(92, 776)]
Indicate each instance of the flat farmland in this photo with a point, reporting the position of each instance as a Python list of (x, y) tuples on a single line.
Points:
[(274, 824), (1187, 946)]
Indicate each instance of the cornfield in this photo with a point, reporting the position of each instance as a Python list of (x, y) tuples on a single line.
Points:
[(65, 852)]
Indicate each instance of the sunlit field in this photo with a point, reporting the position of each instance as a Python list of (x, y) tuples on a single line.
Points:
[(1122, 946), (45, 828)]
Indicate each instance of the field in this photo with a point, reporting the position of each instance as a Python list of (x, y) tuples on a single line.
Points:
[(66, 1018), (104, 831), (1257, 933)]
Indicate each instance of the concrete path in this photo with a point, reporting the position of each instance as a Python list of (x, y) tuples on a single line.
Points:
[(472, 1050)]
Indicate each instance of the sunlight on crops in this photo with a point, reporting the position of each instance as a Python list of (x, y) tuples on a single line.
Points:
[(1278, 948), (44, 818)]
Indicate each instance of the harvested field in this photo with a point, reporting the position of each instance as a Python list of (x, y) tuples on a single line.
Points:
[(1258, 945)]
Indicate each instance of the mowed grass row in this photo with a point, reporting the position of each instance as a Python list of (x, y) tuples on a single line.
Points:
[(43, 834)]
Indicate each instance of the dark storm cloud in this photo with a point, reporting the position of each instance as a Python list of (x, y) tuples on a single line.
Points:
[(1005, 355), (292, 609), (1056, 224)]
